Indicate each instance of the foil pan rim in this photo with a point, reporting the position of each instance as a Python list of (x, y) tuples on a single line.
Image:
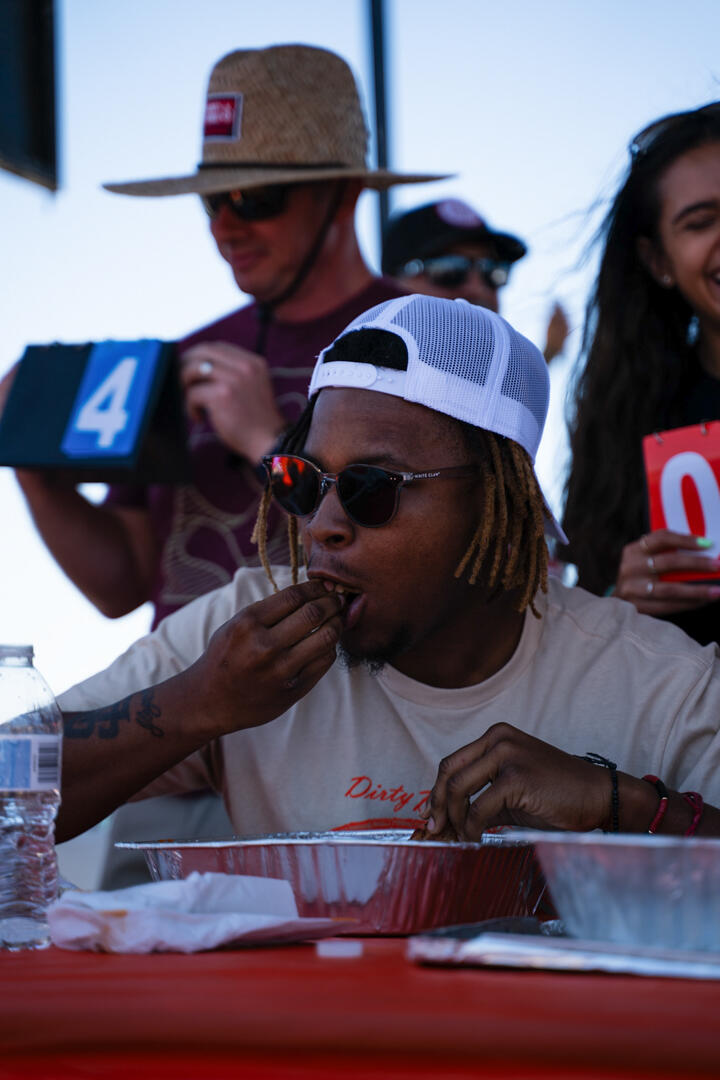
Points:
[(596, 837), (390, 838)]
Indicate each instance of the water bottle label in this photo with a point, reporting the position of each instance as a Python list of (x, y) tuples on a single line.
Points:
[(29, 763)]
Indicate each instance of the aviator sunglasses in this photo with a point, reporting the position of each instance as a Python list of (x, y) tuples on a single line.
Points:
[(259, 204), (368, 494), (452, 270), (644, 141)]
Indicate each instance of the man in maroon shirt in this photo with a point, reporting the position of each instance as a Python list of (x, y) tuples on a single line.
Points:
[(284, 147)]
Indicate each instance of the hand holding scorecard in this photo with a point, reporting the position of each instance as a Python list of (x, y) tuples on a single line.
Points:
[(682, 467), (102, 412)]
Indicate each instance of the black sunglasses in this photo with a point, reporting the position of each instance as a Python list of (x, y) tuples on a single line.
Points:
[(645, 139), (452, 270), (368, 494), (259, 204)]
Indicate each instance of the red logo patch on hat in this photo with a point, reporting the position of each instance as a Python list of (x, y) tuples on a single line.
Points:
[(223, 113)]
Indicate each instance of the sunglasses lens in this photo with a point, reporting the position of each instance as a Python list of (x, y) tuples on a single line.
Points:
[(368, 494), (295, 484), (259, 205), (263, 203), (496, 274), (449, 279), (212, 204), (448, 270)]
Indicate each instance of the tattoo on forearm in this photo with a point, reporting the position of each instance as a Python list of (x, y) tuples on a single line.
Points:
[(148, 712), (105, 722)]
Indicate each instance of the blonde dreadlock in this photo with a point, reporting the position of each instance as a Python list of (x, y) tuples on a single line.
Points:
[(292, 443), (511, 531)]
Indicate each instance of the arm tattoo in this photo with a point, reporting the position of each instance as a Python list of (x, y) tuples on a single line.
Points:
[(148, 712), (105, 722)]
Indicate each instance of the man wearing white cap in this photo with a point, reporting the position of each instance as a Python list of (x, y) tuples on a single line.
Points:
[(283, 164), (410, 486)]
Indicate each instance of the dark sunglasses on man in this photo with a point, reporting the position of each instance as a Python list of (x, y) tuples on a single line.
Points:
[(453, 270), (368, 494), (258, 204)]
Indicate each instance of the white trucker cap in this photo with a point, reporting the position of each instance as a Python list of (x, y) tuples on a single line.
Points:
[(463, 360)]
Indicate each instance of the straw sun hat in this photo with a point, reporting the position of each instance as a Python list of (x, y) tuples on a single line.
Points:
[(285, 114)]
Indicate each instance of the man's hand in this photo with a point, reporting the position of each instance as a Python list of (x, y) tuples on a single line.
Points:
[(231, 386), (255, 667), (664, 552), (531, 784), (266, 657)]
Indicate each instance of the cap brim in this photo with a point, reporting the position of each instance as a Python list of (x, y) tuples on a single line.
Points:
[(210, 181), (509, 246)]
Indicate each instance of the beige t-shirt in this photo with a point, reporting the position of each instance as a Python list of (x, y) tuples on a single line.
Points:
[(362, 751)]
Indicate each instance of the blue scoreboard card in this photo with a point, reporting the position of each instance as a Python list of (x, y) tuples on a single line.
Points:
[(112, 399), (110, 411)]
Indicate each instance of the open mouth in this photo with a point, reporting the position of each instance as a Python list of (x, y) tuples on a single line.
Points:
[(352, 600)]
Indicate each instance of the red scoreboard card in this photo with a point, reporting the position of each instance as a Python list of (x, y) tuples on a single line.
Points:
[(683, 480)]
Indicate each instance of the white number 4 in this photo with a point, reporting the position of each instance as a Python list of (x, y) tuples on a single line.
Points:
[(104, 411)]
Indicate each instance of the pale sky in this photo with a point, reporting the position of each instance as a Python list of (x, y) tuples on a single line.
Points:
[(532, 104)]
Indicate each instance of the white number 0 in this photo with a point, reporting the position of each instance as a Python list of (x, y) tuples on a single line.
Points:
[(698, 469), (104, 411)]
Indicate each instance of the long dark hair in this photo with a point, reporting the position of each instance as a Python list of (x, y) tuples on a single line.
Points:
[(639, 358)]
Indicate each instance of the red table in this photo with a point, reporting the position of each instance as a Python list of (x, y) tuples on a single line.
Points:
[(286, 1012)]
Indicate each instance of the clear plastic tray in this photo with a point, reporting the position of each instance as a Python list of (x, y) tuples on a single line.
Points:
[(633, 890)]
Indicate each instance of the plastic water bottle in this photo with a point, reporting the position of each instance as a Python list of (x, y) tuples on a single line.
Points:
[(30, 745)]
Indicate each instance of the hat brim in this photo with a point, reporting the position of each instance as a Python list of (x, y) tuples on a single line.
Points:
[(209, 181), (508, 247)]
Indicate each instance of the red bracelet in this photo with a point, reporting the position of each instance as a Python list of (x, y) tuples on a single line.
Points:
[(662, 806), (695, 801)]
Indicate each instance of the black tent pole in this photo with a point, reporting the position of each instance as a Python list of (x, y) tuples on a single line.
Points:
[(376, 11)]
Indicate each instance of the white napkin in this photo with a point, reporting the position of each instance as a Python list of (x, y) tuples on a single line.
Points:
[(201, 911)]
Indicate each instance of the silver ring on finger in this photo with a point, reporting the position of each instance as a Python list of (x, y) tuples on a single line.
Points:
[(650, 587), (651, 564), (205, 368)]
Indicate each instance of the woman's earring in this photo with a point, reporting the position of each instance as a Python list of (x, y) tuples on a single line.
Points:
[(667, 280)]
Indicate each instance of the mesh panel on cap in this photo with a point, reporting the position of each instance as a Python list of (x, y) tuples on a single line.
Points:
[(523, 383), (368, 318), (468, 362)]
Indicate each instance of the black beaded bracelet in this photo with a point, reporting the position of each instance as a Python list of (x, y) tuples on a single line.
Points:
[(598, 759)]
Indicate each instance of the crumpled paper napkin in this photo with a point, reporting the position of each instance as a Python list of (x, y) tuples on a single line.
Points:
[(199, 912)]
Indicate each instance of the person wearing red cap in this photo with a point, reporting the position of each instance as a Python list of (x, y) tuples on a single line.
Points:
[(447, 249)]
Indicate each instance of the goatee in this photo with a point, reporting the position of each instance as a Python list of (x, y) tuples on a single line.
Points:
[(373, 664)]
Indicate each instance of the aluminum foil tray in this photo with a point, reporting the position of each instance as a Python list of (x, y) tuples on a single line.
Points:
[(562, 954), (385, 881), (634, 890)]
